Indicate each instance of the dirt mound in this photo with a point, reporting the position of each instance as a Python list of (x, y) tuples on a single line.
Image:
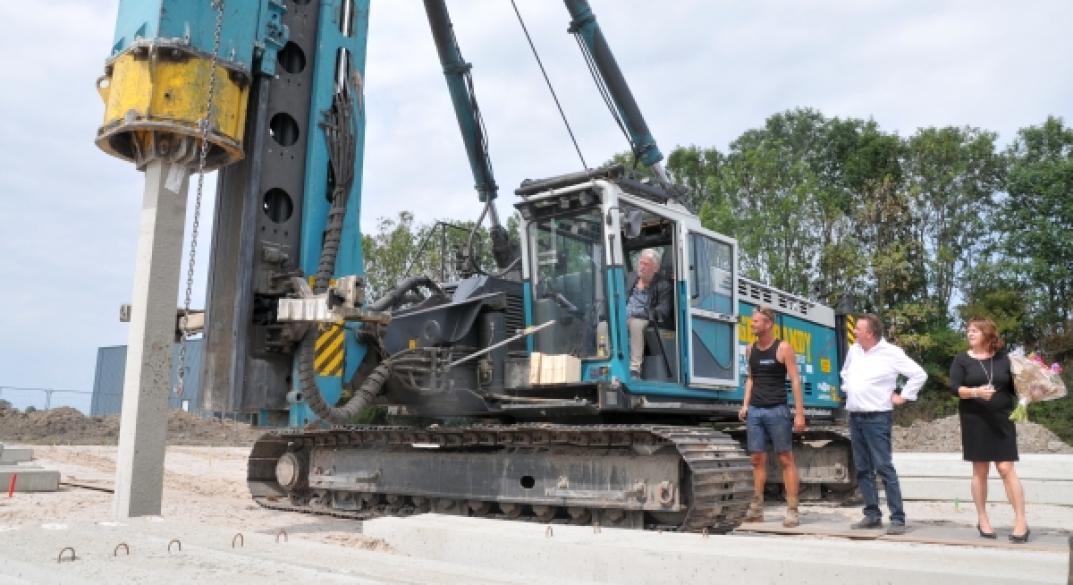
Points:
[(68, 426), (943, 435), (185, 428)]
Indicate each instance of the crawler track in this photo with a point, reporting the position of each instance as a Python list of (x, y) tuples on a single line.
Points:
[(684, 478)]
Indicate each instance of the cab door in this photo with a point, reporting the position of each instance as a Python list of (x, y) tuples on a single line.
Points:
[(712, 316)]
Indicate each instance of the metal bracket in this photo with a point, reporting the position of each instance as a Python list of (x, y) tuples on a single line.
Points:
[(341, 302)]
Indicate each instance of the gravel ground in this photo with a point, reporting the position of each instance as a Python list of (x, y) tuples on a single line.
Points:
[(943, 435), (203, 484)]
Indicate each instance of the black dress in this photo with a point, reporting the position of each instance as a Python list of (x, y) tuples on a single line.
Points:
[(987, 433)]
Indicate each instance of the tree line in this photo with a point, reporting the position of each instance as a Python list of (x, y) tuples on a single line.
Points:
[(924, 230)]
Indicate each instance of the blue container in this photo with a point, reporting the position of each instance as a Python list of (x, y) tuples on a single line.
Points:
[(111, 368)]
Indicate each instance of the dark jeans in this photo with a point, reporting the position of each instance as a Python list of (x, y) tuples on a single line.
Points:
[(870, 433)]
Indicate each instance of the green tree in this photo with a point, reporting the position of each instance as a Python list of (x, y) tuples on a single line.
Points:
[(696, 168), (1037, 216), (387, 253), (858, 161), (401, 248), (952, 175), (762, 197), (992, 289)]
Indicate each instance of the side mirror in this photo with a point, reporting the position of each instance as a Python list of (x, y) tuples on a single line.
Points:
[(631, 223)]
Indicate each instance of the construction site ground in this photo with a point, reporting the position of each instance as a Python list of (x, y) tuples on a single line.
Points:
[(210, 531)]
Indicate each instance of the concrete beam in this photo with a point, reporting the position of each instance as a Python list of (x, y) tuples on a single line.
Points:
[(31, 478), (1031, 466), (13, 455), (1047, 479), (143, 424), (947, 489)]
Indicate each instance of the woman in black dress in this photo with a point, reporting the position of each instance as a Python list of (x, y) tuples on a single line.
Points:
[(981, 378)]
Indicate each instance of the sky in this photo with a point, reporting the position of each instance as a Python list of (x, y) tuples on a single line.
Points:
[(703, 72)]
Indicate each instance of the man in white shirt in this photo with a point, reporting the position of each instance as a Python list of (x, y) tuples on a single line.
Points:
[(869, 379)]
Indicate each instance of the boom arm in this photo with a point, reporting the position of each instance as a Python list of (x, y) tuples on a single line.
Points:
[(460, 85), (588, 32)]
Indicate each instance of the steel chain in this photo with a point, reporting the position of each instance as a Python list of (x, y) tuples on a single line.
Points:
[(203, 154)]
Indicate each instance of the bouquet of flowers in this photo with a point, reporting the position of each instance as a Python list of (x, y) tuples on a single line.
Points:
[(1034, 381)]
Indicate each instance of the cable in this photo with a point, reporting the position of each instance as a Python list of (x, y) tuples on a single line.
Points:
[(482, 135), (471, 257), (469, 241), (555, 97), (590, 61), (339, 131)]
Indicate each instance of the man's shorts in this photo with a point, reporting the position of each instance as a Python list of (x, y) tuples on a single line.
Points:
[(770, 428)]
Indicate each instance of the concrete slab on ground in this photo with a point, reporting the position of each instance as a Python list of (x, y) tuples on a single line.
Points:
[(818, 522), (633, 557), (1031, 466), (29, 478), (12, 455), (1037, 491), (205, 554), (1047, 479)]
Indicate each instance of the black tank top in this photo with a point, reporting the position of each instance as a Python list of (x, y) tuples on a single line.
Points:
[(769, 376)]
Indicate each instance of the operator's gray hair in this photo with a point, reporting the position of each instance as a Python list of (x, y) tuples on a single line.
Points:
[(652, 254)]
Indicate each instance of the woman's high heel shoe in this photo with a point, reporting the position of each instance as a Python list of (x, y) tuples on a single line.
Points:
[(984, 534), (1020, 538)]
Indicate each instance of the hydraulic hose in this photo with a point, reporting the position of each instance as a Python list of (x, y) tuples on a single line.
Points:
[(338, 128), (501, 249), (392, 298), (362, 397)]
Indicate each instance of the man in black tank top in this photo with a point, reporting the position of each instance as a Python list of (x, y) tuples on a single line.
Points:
[(767, 414)]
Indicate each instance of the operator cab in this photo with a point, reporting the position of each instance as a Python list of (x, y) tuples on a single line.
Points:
[(647, 231), (583, 236)]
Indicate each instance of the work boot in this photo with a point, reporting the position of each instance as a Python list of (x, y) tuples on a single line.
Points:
[(793, 518), (896, 528), (755, 512), (867, 523)]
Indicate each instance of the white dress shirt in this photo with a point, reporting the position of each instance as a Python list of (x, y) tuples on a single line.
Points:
[(869, 377)]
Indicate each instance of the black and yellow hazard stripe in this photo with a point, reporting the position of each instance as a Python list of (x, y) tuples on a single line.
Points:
[(329, 350), (851, 330)]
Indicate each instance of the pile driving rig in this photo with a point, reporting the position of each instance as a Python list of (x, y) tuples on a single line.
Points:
[(524, 371)]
